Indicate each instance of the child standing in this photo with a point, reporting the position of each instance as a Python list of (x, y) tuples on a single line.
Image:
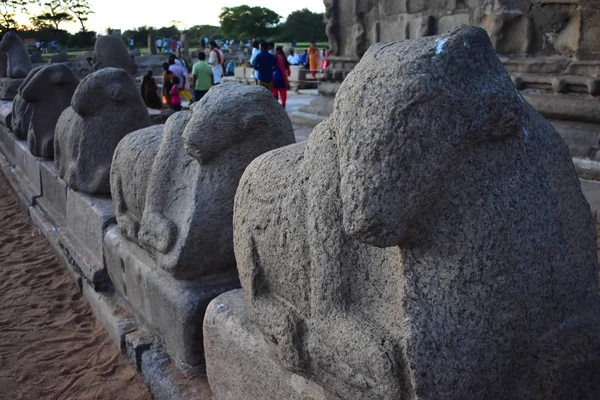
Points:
[(175, 95)]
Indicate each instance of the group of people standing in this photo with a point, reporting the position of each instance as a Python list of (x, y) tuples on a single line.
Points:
[(271, 69), (176, 82)]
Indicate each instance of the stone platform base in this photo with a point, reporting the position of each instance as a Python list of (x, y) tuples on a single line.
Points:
[(9, 88), (7, 144), (237, 358), (172, 308)]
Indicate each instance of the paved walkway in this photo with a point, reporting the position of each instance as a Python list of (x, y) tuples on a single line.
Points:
[(51, 346)]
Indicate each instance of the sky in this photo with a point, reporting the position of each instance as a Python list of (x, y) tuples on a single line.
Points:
[(127, 14)]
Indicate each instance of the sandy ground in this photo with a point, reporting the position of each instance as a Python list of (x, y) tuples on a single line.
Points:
[(51, 346)]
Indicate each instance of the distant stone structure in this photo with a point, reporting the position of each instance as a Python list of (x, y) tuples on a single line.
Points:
[(429, 241), (48, 93), (549, 47), (110, 52), (151, 42), (105, 107), (19, 62), (174, 196), (18, 65)]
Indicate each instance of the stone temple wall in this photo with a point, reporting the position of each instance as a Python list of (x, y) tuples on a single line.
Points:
[(550, 48)]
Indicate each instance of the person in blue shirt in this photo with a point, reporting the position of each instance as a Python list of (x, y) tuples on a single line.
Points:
[(304, 58), (265, 63)]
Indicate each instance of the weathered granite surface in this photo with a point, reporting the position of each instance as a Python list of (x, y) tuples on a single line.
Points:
[(238, 363), (174, 196), (48, 93), (105, 107), (429, 241)]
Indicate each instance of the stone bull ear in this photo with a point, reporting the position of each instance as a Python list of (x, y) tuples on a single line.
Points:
[(253, 122), (115, 92), (494, 116)]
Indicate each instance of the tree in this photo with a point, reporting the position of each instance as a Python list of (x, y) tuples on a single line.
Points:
[(80, 9), (55, 15), (8, 10), (197, 32), (245, 21), (304, 26)]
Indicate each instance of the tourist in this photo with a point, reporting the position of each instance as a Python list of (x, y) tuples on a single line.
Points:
[(280, 76), (159, 45), (313, 58), (179, 48), (272, 48), (304, 59), (326, 58), (167, 84), (179, 69), (293, 58), (150, 91), (216, 61), (202, 77), (131, 43), (265, 63), (255, 52), (230, 70), (175, 95), (173, 46)]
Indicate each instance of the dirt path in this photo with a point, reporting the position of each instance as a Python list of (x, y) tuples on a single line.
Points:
[(51, 346)]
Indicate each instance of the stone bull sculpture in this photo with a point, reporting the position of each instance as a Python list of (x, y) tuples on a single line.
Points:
[(22, 110), (105, 107), (429, 241), (173, 189), (19, 62), (47, 93), (110, 52)]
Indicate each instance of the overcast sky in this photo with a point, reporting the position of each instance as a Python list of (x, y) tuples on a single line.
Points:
[(126, 14)]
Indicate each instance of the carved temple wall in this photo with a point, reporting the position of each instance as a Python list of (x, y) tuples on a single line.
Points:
[(551, 48)]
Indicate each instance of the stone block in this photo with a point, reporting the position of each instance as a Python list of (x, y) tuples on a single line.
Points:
[(6, 113), (168, 383), (9, 88), (54, 194), (27, 170), (136, 344), (7, 144), (421, 26), (114, 318), (52, 234), (449, 22), (172, 308), (238, 362), (393, 28), (87, 219), (510, 32)]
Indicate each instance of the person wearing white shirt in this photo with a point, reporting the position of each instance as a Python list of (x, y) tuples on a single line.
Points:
[(215, 60), (293, 58), (255, 52)]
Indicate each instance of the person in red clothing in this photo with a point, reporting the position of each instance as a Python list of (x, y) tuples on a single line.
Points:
[(174, 46), (280, 76), (175, 95)]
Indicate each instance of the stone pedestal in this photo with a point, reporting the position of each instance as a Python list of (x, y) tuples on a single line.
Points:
[(87, 219), (7, 144), (174, 309), (53, 201), (27, 171), (9, 88), (6, 113), (238, 363)]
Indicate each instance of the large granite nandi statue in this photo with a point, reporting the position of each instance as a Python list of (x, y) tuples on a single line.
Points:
[(110, 52), (47, 93), (429, 241), (173, 188), (105, 107)]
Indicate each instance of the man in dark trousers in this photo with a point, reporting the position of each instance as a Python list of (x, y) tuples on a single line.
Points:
[(265, 63)]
